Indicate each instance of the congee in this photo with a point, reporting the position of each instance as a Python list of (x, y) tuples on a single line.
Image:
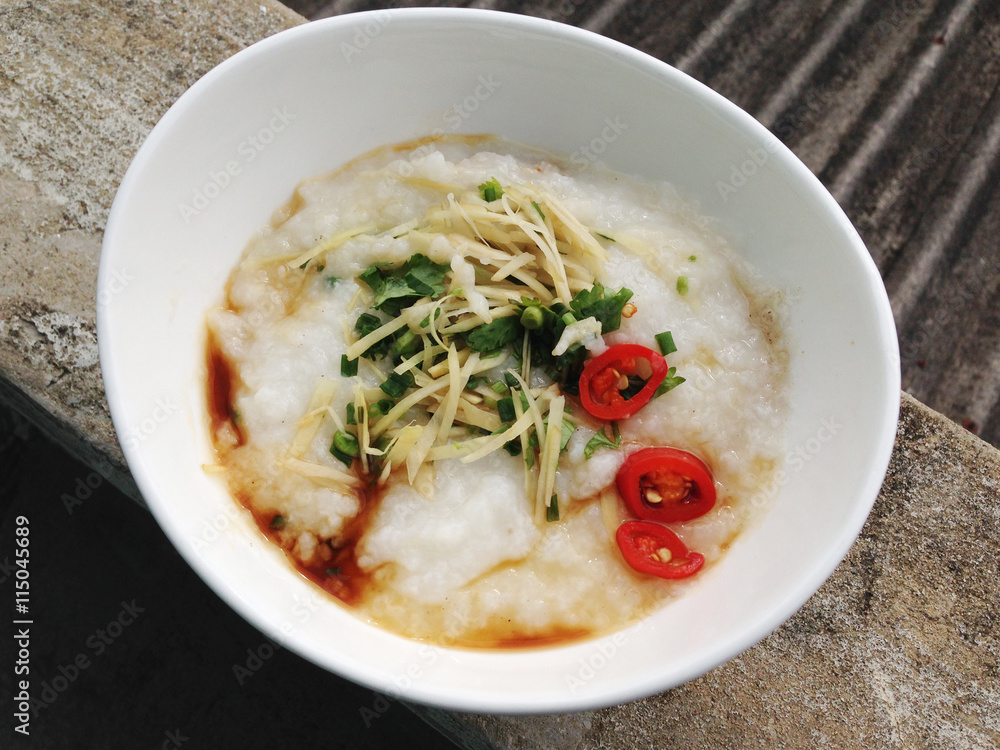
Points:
[(489, 398)]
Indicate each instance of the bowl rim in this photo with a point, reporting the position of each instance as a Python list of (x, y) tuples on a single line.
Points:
[(485, 701)]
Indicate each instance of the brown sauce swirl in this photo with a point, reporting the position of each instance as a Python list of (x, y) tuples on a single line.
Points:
[(336, 571)]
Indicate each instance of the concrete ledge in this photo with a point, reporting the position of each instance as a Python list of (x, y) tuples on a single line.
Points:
[(899, 648), (83, 84)]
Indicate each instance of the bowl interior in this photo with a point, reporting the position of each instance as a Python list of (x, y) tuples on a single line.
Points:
[(302, 103)]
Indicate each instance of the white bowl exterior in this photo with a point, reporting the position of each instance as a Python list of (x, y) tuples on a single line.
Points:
[(306, 101)]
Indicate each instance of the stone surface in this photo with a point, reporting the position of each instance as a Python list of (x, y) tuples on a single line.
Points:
[(81, 85), (185, 671), (899, 649), (895, 106)]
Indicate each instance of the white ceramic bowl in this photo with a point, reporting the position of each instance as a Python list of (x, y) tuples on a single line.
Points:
[(303, 102)]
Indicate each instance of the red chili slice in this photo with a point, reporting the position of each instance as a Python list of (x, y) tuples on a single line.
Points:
[(656, 550), (666, 485), (605, 377)]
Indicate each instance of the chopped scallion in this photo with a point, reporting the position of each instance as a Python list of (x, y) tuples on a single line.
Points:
[(348, 367), (513, 447), (396, 384), (345, 447), (665, 341), (682, 285), (380, 408), (491, 190), (347, 443), (505, 408), (406, 345), (532, 318), (552, 511)]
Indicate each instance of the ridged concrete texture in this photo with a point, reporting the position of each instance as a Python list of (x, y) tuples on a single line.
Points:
[(894, 105)]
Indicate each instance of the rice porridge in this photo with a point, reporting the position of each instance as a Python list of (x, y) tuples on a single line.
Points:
[(486, 398)]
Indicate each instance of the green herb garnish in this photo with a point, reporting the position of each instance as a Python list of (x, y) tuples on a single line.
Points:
[(405, 346), (669, 383), (568, 428), (665, 341), (495, 335), (348, 367), (552, 510), (682, 285), (396, 288), (600, 440), (505, 408), (601, 304), (345, 447), (532, 317), (396, 384), (367, 323), (490, 190), (380, 408)]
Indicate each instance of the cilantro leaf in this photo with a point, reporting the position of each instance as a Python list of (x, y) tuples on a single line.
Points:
[(669, 383), (597, 303), (396, 288), (421, 270), (600, 440), (495, 335), (568, 428), (385, 287)]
